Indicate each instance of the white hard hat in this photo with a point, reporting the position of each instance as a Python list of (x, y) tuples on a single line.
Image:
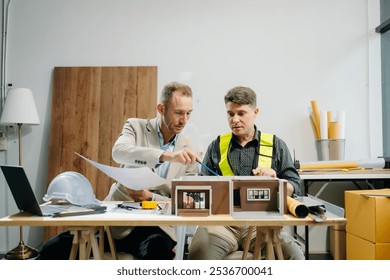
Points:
[(71, 187)]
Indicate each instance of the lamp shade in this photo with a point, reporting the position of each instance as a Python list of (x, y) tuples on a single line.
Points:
[(19, 108)]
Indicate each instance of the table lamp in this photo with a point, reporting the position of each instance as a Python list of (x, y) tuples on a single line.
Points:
[(20, 109)]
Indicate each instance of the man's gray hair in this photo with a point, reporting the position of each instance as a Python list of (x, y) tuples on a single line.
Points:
[(241, 95), (169, 89)]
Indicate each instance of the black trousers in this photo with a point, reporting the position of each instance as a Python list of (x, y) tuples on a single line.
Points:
[(144, 243)]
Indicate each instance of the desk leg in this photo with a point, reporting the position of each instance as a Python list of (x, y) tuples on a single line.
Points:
[(306, 242), (95, 247), (82, 245), (259, 241), (101, 240), (75, 245), (277, 244), (114, 253), (270, 235), (247, 242), (181, 237), (306, 184), (84, 240), (269, 246)]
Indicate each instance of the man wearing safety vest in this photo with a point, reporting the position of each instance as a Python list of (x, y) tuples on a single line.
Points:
[(245, 151)]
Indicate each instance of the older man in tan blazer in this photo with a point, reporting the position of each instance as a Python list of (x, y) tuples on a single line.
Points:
[(157, 144)]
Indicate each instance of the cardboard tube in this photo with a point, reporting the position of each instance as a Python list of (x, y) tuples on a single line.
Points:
[(334, 131), (329, 117), (330, 165), (324, 125), (296, 208), (316, 114), (373, 163), (313, 125), (341, 121)]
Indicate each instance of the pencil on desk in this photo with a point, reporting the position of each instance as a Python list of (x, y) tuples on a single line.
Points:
[(352, 169)]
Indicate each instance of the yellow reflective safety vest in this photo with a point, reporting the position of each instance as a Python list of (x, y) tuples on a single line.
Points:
[(265, 152)]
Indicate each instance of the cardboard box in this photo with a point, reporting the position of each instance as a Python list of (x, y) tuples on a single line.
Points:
[(361, 249), (337, 242), (368, 214)]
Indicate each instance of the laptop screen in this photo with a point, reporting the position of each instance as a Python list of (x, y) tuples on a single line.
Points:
[(21, 189)]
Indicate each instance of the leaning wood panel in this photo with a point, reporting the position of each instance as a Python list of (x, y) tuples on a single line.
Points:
[(144, 89), (89, 108)]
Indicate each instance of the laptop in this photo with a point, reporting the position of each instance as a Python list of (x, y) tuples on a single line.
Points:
[(26, 201)]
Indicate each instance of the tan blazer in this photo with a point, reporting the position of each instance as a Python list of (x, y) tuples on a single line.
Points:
[(138, 145)]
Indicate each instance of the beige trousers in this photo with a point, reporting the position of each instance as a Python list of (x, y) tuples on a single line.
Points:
[(216, 242)]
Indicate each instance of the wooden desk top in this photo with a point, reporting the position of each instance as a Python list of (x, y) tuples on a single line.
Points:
[(116, 219)]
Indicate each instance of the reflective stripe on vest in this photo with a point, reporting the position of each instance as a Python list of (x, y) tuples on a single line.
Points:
[(265, 151)]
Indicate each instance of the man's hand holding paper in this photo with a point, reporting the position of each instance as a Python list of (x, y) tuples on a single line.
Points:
[(140, 195)]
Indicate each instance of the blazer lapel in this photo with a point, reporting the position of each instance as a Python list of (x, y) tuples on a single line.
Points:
[(151, 133)]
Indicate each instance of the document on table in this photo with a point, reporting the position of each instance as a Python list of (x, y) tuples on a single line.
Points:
[(137, 178)]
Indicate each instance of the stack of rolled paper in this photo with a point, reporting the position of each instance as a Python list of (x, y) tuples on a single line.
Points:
[(340, 165), (324, 125)]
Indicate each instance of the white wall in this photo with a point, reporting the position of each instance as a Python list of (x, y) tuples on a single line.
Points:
[(288, 51)]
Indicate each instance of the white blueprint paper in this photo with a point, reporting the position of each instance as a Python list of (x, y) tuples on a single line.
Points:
[(137, 178)]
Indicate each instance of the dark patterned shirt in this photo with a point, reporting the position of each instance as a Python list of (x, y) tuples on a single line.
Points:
[(243, 159)]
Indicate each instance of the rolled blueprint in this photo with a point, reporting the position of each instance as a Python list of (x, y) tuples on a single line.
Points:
[(334, 131), (340, 164), (316, 117), (324, 124), (329, 164), (296, 208), (314, 127), (372, 163), (329, 117), (341, 121)]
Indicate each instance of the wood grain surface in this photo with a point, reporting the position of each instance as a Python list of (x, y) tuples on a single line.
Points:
[(89, 108)]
